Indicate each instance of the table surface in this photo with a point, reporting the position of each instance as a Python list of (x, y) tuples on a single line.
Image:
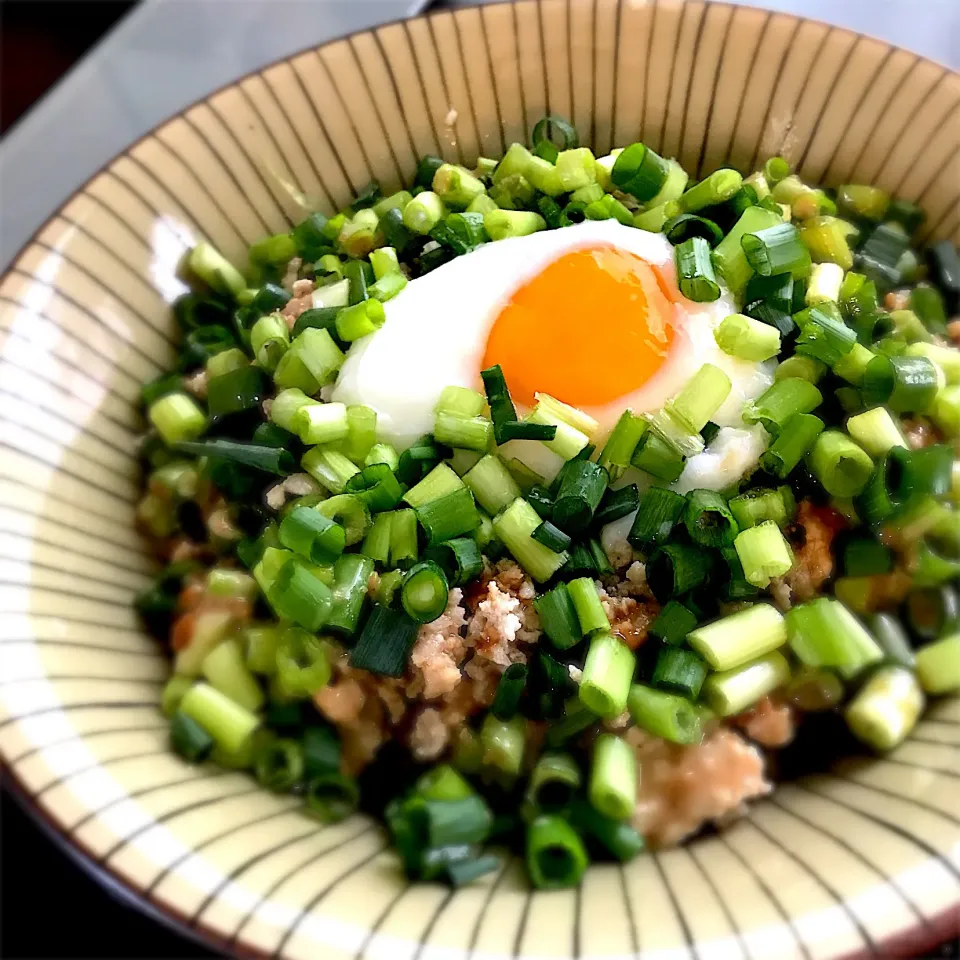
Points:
[(166, 54)]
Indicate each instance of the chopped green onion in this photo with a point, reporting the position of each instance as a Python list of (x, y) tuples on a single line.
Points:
[(823, 334), (567, 441), (938, 666), (776, 249), (376, 544), (468, 433), (188, 738), (673, 623), (886, 709), (207, 263), (607, 673), (782, 401), (686, 225), (676, 568), (839, 464), (558, 617), (350, 512), (503, 224), (177, 418), (459, 558), (695, 275), (581, 488), (331, 797), (424, 591), (755, 506), (764, 553), (308, 532), (708, 519), (551, 537), (586, 602), (639, 171), (229, 724), (321, 423), (824, 284), (618, 450), (449, 516), (863, 201), (665, 715), (330, 468), (506, 700), (423, 212), (656, 456), (794, 441), (719, 186), (679, 671), (747, 338), (403, 539), (933, 611), (876, 431), (278, 764), (740, 637), (732, 691), (893, 640), (439, 482), (620, 839), (556, 857), (455, 186), (491, 483), (823, 633), (616, 504), (385, 642), (827, 239), (502, 410), (729, 258), (514, 526), (504, 743), (700, 399), (659, 512), (296, 594), (905, 383), (613, 777), (350, 585)]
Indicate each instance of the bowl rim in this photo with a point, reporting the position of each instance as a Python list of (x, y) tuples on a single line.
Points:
[(917, 940)]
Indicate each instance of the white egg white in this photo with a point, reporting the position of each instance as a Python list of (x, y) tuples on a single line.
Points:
[(436, 331)]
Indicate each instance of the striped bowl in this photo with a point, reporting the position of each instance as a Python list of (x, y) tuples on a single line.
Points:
[(865, 860)]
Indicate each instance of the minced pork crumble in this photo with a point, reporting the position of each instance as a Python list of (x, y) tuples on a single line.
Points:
[(456, 663)]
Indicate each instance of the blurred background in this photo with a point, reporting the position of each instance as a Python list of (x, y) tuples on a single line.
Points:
[(159, 55)]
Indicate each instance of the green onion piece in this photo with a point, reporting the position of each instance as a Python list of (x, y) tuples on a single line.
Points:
[(443, 783), (424, 591), (360, 320), (747, 338), (278, 764), (823, 633), (449, 516), (403, 539), (679, 671), (207, 263), (824, 335), (740, 637), (460, 401), (886, 709), (303, 665), (503, 224), (350, 584), (616, 504), (893, 640), (764, 553), (514, 526), (639, 171), (390, 582), (177, 418), (729, 258), (504, 743), (656, 456), (467, 433), (459, 559), (673, 623), (298, 595), (945, 412), (558, 617), (491, 483), (541, 500), (664, 715), (687, 225), (708, 519), (423, 212), (385, 642), (904, 384), (659, 511), (376, 544), (827, 239), (927, 303), (502, 410), (620, 839), (551, 537), (863, 201), (802, 368), (439, 482), (613, 777), (876, 431), (839, 464), (382, 453), (581, 489), (776, 249), (782, 401), (261, 642), (455, 186), (560, 412), (576, 168), (556, 857), (933, 611), (607, 673), (553, 783), (879, 255), (586, 601), (229, 724), (527, 430), (350, 512), (506, 700), (426, 170), (733, 691), (331, 797), (330, 468), (938, 666), (227, 361), (173, 692), (755, 506), (321, 423), (720, 186), (676, 568), (618, 450), (695, 275), (567, 440), (188, 738), (931, 568), (797, 436), (225, 669), (700, 399)]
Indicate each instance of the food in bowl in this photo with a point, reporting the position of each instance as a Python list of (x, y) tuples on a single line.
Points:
[(533, 505)]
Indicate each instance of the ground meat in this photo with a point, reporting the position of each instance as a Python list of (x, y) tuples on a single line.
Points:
[(299, 302), (291, 273), (919, 433), (953, 330), (812, 536), (620, 554), (495, 625), (196, 383), (440, 649), (296, 485), (682, 788), (341, 702), (429, 736), (897, 300), (769, 722), (781, 593), (630, 617)]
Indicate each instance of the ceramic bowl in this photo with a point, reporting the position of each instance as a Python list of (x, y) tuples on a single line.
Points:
[(863, 860)]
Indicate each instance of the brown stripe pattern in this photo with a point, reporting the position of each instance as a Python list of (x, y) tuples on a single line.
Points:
[(835, 866)]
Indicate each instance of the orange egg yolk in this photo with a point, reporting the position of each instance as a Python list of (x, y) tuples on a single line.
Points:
[(592, 326)]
